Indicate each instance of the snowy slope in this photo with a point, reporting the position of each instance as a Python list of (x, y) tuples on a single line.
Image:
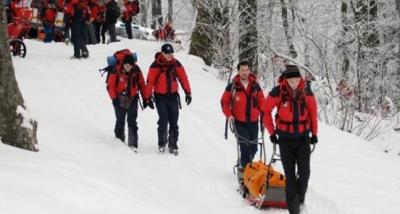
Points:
[(81, 168)]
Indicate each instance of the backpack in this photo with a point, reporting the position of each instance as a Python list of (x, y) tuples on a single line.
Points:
[(264, 181), (114, 11), (114, 62)]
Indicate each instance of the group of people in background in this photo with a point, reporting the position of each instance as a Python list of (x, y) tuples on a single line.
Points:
[(85, 21)]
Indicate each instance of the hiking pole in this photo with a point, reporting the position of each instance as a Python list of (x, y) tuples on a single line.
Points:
[(226, 120), (140, 103)]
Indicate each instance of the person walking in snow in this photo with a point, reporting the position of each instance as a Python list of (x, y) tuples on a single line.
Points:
[(123, 87), (162, 82), (129, 10), (242, 102), (79, 14), (296, 117), (112, 14)]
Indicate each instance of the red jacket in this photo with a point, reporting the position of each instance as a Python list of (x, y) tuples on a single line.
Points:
[(296, 115), (163, 75), (244, 104), (129, 9), (118, 83)]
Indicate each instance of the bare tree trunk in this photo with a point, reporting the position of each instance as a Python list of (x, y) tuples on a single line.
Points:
[(156, 14), (343, 42), (289, 37), (144, 7), (170, 10), (248, 34), (15, 129), (397, 101)]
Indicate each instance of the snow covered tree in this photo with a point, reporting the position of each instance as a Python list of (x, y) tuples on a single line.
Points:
[(248, 35), (211, 38), (144, 8), (16, 128), (156, 13), (170, 10)]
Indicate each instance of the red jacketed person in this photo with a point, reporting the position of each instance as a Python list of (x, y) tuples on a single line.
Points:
[(162, 82), (295, 120)]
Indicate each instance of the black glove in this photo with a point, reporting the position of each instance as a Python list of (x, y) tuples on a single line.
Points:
[(148, 103), (313, 139), (115, 101), (188, 99), (273, 139)]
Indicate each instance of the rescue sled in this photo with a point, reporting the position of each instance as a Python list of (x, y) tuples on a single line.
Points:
[(260, 184)]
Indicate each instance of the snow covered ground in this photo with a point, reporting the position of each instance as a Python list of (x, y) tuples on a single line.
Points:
[(81, 168)]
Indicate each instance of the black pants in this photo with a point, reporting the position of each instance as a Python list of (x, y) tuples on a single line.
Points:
[(295, 152), (168, 112), (122, 113), (111, 31), (128, 28), (78, 39), (247, 131), (100, 29)]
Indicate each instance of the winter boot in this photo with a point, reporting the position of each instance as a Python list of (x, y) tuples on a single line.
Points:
[(85, 55), (132, 139), (172, 144), (120, 134), (163, 142)]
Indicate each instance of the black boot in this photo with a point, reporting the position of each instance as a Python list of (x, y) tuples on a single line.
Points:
[(172, 144), (120, 134), (132, 138)]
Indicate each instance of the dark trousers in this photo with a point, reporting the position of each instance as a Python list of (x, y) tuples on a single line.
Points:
[(49, 31), (78, 39), (100, 29), (168, 112), (295, 152), (128, 28), (122, 113), (247, 131), (111, 31)]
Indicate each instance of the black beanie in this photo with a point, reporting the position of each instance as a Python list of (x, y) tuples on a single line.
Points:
[(128, 59), (292, 71)]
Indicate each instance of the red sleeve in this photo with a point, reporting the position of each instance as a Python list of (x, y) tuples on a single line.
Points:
[(142, 84), (183, 79), (260, 100), (311, 104), (270, 104), (226, 101), (111, 86), (151, 80)]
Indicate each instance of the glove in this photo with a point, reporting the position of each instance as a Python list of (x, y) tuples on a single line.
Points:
[(314, 139), (115, 102), (188, 99), (148, 103), (273, 139)]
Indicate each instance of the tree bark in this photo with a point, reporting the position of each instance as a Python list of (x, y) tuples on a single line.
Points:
[(343, 42), (285, 23), (15, 129), (397, 101), (143, 12), (170, 10), (248, 34), (156, 13)]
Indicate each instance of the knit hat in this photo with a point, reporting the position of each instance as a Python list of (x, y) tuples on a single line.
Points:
[(292, 71), (167, 48)]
